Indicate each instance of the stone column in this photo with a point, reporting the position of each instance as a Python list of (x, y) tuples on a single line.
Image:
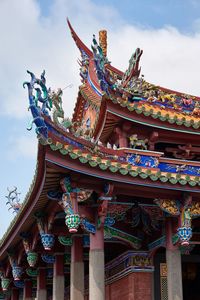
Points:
[(27, 295), (77, 270), (58, 278), (41, 285), (174, 270), (96, 266), (15, 294)]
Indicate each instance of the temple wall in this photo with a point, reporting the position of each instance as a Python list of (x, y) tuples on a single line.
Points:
[(135, 286)]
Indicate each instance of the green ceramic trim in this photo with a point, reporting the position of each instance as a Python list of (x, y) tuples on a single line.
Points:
[(128, 169), (141, 109), (65, 240)]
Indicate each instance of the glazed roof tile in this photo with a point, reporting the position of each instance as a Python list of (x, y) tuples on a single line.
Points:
[(130, 91)]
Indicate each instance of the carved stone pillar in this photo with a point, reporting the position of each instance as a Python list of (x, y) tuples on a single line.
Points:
[(96, 266), (27, 293), (174, 270), (77, 270), (41, 285), (58, 278), (15, 294)]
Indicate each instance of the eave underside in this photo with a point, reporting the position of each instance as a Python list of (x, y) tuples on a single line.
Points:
[(58, 167), (112, 116)]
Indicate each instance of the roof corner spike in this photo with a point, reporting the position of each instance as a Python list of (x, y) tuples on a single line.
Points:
[(78, 41), (103, 41)]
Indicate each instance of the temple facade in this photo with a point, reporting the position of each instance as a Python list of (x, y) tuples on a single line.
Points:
[(113, 209)]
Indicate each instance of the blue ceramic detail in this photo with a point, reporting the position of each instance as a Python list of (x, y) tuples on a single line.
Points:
[(17, 272), (49, 259), (19, 284), (184, 234), (48, 240), (89, 227), (109, 221)]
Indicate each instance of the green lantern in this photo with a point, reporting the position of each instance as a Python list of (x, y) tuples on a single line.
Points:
[(5, 282), (72, 222), (32, 258)]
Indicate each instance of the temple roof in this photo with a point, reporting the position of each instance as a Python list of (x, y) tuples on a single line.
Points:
[(68, 146), (135, 99)]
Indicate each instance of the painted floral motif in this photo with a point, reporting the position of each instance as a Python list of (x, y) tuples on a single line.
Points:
[(195, 209), (118, 211), (168, 205), (143, 160), (111, 232)]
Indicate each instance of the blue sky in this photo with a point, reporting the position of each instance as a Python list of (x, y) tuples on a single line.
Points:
[(158, 13), (35, 36)]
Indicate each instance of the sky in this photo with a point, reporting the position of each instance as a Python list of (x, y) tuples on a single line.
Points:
[(34, 36)]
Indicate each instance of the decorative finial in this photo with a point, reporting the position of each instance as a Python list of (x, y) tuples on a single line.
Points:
[(103, 41), (13, 200)]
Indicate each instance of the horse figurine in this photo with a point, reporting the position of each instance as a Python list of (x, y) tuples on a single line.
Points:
[(137, 143)]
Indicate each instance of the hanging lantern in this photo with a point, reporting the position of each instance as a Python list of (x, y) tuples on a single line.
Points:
[(185, 234), (185, 231), (17, 272), (5, 282), (32, 258), (48, 240), (72, 221)]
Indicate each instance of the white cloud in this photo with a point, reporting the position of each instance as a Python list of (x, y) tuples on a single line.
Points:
[(33, 42), (22, 147)]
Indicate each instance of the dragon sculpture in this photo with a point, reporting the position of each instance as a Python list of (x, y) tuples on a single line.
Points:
[(133, 69), (58, 112), (13, 200), (38, 93), (100, 62)]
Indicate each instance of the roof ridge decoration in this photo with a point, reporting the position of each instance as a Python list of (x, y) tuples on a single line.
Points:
[(130, 90), (100, 62), (51, 104), (133, 70), (23, 205), (133, 89), (78, 41), (13, 200), (42, 96)]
